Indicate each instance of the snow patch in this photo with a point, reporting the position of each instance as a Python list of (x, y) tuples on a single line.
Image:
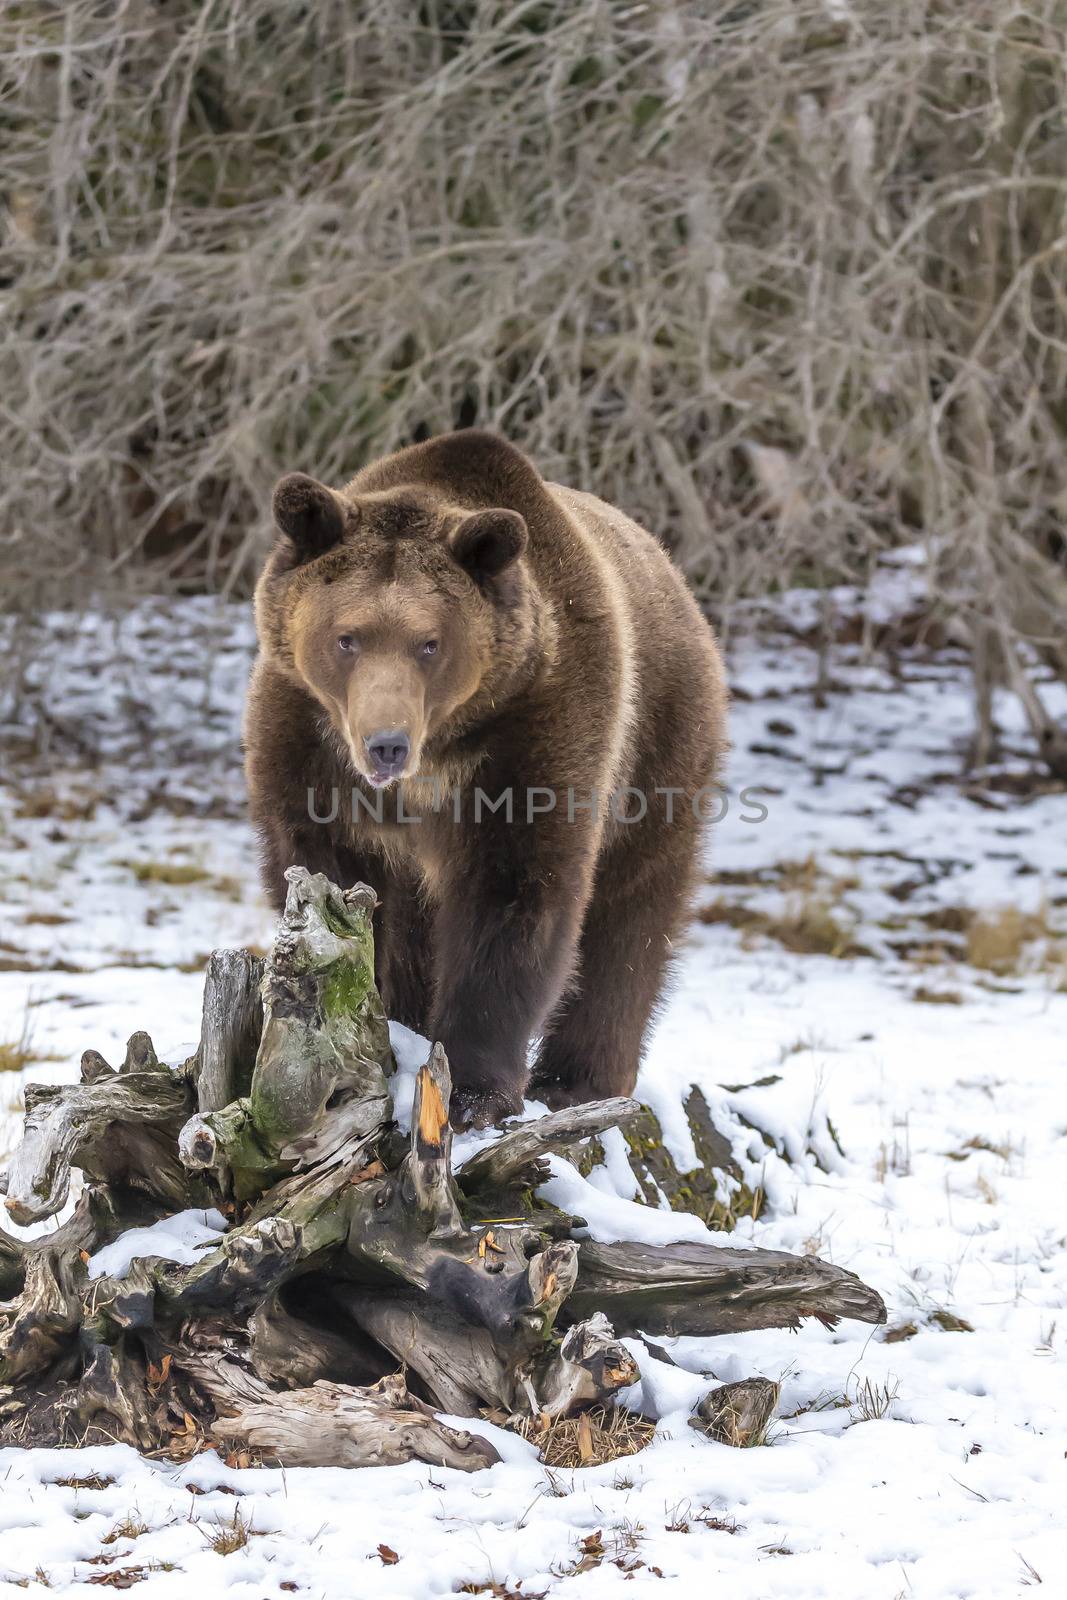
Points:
[(182, 1238)]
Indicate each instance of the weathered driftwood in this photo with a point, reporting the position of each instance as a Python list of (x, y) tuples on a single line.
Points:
[(231, 1028), (517, 1155), (354, 1250), (591, 1366), (118, 1127), (373, 1427), (318, 1089), (708, 1289)]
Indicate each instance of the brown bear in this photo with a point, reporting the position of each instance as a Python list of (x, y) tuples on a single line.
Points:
[(494, 700)]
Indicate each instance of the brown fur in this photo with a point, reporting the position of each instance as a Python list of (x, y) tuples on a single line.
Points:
[(570, 656)]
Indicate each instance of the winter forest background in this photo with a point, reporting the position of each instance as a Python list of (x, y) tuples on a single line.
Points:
[(788, 282)]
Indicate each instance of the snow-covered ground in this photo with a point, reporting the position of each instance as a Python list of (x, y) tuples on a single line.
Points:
[(926, 1459)]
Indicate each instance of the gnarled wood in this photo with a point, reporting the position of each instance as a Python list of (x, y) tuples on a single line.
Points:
[(112, 1386), (119, 1127), (591, 1367), (518, 1151), (330, 1424), (230, 1029), (318, 1089), (38, 1328), (12, 1265), (352, 1249), (293, 1352), (459, 1366), (711, 1289)]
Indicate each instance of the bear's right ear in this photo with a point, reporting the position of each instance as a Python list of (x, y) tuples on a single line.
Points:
[(309, 514)]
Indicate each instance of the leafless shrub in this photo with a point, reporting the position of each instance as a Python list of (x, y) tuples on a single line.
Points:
[(786, 278)]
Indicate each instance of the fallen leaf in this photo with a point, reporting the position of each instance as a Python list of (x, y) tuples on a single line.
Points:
[(389, 1557), (592, 1547), (903, 1330), (374, 1169), (157, 1376)]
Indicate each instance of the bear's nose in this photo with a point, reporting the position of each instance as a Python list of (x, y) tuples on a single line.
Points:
[(388, 751)]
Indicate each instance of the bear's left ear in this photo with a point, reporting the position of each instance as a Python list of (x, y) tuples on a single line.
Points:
[(309, 514), (488, 541)]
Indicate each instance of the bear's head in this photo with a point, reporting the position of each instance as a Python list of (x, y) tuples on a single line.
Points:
[(406, 617)]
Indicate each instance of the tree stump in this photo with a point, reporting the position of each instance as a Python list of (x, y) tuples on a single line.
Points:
[(737, 1414), (365, 1283)]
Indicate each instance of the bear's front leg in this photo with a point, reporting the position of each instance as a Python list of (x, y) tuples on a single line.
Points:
[(505, 939)]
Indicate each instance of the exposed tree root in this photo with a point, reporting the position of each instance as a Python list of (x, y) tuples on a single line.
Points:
[(353, 1250)]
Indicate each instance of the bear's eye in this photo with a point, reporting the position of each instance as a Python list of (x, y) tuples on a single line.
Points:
[(348, 644), (428, 648)]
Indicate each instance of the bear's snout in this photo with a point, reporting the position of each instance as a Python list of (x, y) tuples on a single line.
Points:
[(388, 751)]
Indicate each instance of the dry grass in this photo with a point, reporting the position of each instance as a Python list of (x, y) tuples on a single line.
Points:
[(996, 941), (926, 996), (987, 1189), (17, 1054), (716, 1521), (814, 927), (1003, 1149), (126, 1577), (809, 926), (894, 1157), (228, 1537), (813, 919), (1003, 942), (169, 872), (48, 802), (603, 1433), (14, 1056), (131, 1526), (872, 1401), (1008, 942)]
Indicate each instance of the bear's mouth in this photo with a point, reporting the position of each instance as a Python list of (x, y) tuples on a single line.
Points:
[(378, 775)]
